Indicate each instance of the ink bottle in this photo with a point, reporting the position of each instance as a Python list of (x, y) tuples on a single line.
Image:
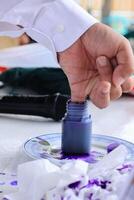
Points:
[(76, 129)]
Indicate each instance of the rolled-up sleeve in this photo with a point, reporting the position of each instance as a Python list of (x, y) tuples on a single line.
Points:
[(57, 24)]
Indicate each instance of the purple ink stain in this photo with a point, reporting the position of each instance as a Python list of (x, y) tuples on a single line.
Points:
[(112, 146), (126, 167), (74, 185), (97, 182), (104, 184), (91, 158), (14, 183), (90, 196), (87, 158)]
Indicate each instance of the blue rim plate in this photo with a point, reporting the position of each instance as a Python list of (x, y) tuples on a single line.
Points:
[(49, 147)]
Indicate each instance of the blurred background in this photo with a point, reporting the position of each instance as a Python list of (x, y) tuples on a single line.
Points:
[(119, 14)]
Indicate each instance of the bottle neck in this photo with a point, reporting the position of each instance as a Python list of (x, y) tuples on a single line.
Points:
[(77, 111)]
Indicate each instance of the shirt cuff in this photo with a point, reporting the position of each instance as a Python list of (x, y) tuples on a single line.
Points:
[(64, 21), (56, 24)]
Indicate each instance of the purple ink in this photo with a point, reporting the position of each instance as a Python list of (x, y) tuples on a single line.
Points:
[(91, 158), (74, 185), (76, 129), (90, 196), (112, 146), (14, 183), (126, 168)]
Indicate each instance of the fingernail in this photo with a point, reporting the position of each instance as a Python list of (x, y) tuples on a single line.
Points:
[(102, 61), (119, 81)]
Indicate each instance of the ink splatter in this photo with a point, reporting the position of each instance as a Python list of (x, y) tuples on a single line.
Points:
[(14, 183), (112, 146)]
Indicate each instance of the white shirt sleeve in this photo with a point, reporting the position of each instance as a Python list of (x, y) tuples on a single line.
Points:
[(57, 24)]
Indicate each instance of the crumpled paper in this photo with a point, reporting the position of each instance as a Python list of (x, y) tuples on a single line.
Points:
[(43, 180), (37, 177), (109, 162)]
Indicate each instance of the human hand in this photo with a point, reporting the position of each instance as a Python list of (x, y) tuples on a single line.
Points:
[(98, 65)]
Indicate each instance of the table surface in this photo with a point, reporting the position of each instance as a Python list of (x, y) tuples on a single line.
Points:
[(117, 120)]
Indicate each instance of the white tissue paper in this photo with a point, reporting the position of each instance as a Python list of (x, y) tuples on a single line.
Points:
[(109, 162), (75, 180), (35, 178), (38, 177)]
